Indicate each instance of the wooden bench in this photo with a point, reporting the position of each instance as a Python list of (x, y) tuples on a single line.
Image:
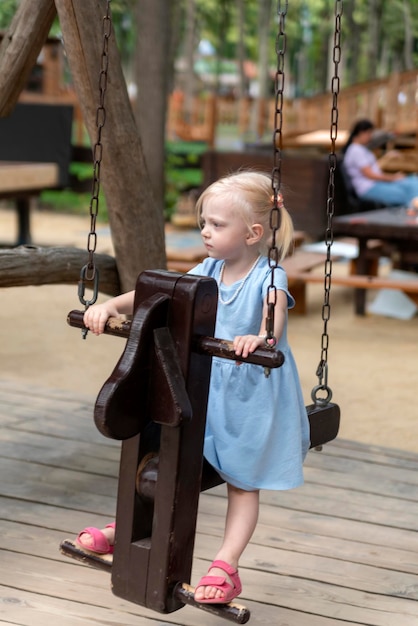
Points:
[(361, 281), (35, 151), (297, 267), (22, 182)]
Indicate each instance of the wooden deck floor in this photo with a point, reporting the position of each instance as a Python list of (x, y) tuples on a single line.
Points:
[(343, 549)]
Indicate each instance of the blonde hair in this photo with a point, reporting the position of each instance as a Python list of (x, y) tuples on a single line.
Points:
[(250, 194)]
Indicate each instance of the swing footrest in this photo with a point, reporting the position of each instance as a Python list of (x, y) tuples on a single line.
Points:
[(233, 611), (74, 551), (324, 423)]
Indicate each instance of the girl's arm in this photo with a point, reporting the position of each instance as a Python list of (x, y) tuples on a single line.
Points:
[(245, 344), (97, 315)]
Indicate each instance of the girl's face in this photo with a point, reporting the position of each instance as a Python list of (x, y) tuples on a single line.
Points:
[(224, 232)]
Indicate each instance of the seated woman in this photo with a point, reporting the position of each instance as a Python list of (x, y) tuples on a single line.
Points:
[(368, 180)]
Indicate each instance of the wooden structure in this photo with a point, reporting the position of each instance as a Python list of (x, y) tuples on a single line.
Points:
[(167, 351), (389, 102), (35, 154), (196, 125), (342, 548), (394, 227), (22, 182), (123, 154), (45, 84)]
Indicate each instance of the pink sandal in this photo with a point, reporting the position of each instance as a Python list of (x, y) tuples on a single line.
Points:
[(221, 582), (100, 543)]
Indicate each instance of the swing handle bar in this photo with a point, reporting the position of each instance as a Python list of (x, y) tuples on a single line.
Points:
[(266, 357)]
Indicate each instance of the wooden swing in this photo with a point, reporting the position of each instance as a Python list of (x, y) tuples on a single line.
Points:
[(155, 402)]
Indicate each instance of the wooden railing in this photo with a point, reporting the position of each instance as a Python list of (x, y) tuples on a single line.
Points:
[(391, 103)]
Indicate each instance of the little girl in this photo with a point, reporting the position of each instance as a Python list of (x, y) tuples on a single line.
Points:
[(257, 430)]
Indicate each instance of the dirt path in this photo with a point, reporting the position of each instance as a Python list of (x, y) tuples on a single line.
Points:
[(373, 360)]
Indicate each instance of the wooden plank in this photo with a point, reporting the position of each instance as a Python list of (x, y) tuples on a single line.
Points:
[(43, 450), (22, 177), (359, 281), (344, 540), (35, 575), (326, 500), (301, 261), (330, 470), (44, 542), (372, 454), (341, 549), (315, 568)]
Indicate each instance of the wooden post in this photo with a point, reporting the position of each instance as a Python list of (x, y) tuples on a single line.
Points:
[(161, 380)]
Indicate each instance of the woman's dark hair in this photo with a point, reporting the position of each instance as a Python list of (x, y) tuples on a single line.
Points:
[(359, 127)]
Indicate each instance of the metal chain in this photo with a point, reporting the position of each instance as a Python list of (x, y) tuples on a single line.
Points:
[(322, 370), (276, 175), (90, 272)]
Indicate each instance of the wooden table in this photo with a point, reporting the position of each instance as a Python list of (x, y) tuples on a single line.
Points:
[(21, 181), (395, 226)]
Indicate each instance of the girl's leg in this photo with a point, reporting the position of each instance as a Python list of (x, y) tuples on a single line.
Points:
[(241, 520)]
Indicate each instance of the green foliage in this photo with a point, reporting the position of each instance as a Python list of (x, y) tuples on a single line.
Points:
[(67, 201), (309, 24), (7, 10), (182, 172)]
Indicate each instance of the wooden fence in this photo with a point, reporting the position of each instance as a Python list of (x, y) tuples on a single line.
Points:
[(391, 103)]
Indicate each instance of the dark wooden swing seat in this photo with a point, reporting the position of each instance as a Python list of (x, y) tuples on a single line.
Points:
[(162, 379)]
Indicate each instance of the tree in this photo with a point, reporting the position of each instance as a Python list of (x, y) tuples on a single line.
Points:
[(264, 23), (374, 37), (153, 70), (21, 47), (136, 222), (190, 47), (241, 53)]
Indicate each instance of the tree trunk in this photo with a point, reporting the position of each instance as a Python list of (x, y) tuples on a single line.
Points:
[(409, 36), (136, 223), (33, 265), (374, 38), (152, 74), (352, 52), (190, 45), (242, 85), (20, 48), (264, 16)]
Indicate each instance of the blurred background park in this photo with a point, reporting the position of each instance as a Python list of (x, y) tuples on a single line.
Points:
[(216, 83)]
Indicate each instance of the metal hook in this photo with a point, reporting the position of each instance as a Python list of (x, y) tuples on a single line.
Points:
[(322, 373), (82, 286), (82, 290)]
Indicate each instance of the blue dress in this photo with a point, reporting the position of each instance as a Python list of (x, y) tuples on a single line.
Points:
[(257, 429)]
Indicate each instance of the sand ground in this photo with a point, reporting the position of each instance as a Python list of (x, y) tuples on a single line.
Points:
[(373, 360)]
